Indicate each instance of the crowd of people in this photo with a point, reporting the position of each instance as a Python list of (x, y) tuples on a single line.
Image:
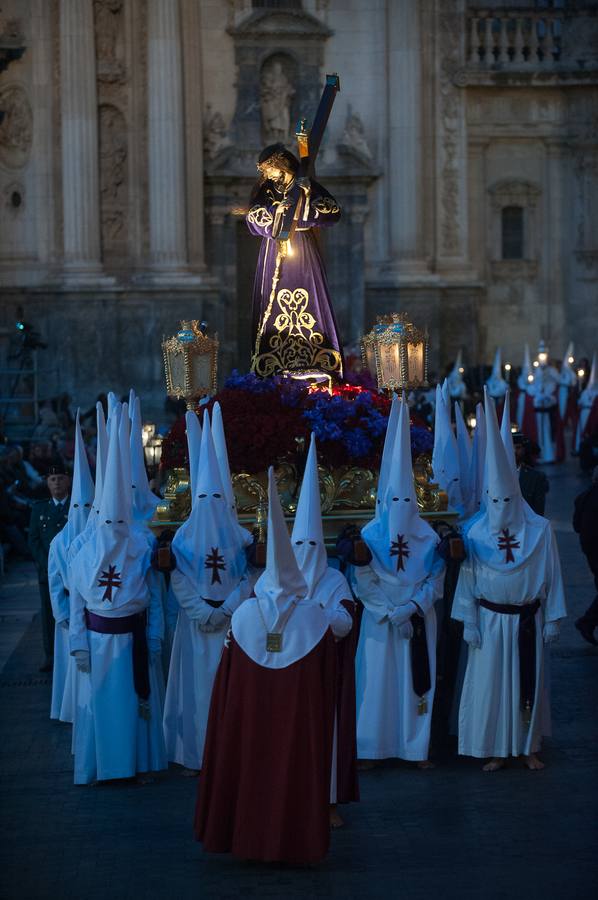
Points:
[(241, 663)]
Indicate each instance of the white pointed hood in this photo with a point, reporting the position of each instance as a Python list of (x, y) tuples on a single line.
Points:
[(220, 447), (478, 453), (567, 375), (132, 398), (586, 398), (401, 542), (207, 547), (445, 460), (110, 569), (456, 385), (280, 604), (496, 384), (508, 531), (446, 393), (526, 370), (466, 471), (308, 535), (144, 500), (82, 492), (125, 450), (193, 430), (505, 433), (113, 404), (101, 461), (389, 441)]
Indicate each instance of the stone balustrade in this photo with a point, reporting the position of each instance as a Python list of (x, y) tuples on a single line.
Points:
[(515, 38)]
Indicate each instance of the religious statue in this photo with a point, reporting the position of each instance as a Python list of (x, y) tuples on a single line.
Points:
[(294, 328), (276, 94)]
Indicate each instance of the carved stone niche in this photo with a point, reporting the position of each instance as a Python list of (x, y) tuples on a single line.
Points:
[(279, 55), (525, 195)]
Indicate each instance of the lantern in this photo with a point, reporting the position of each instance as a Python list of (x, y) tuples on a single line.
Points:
[(190, 362), (396, 353)]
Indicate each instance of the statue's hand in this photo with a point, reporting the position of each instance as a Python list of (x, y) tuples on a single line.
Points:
[(305, 185)]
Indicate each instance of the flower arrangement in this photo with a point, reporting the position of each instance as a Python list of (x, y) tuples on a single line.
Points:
[(268, 420)]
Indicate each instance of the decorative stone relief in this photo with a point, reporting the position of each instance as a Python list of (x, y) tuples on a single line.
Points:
[(109, 33), (113, 180), (450, 28), (514, 193), (16, 130), (586, 180), (215, 133), (276, 95), (14, 198), (353, 140)]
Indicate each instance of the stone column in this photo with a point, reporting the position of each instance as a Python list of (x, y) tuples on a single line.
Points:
[(405, 152), (193, 106), (80, 172), (167, 209)]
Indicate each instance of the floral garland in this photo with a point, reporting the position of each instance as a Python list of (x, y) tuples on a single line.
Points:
[(271, 419)]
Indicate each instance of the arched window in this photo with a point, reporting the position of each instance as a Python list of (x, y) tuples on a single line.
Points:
[(512, 232)]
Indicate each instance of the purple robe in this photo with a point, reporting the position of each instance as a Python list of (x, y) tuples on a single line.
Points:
[(294, 327)]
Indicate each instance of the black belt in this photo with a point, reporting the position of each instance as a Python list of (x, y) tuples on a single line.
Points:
[(526, 644), (420, 661)]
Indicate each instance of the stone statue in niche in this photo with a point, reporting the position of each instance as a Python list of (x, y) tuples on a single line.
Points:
[(108, 33), (215, 133), (276, 95), (354, 140), (16, 130)]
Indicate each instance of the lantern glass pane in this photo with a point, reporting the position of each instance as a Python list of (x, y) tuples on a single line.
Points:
[(201, 372), (177, 369), (415, 363), (370, 357), (390, 361)]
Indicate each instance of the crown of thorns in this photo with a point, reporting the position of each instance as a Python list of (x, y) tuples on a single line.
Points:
[(278, 159)]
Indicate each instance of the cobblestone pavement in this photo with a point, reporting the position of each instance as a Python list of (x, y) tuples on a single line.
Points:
[(450, 832)]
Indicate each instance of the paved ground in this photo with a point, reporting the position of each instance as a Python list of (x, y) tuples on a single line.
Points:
[(449, 833)]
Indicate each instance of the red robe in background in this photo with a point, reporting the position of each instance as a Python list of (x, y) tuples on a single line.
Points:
[(264, 790), (347, 784)]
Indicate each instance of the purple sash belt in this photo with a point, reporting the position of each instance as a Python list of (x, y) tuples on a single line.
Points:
[(526, 645), (134, 625)]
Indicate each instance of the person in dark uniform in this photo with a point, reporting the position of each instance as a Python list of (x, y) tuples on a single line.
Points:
[(585, 523), (48, 517), (534, 484)]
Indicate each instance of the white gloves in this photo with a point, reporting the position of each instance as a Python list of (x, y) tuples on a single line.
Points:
[(472, 636), (406, 631), (402, 614), (82, 659), (551, 632), (64, 624)]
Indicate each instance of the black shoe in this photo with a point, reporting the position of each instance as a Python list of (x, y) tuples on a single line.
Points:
[(47, 666), (586, 631)]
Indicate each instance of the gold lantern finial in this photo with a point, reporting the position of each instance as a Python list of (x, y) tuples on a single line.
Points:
[(190, 362), (396, 353)]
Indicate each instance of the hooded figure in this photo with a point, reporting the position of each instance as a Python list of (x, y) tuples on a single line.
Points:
[(144, 500), (115, 621), (525, 405), (329, 588), (396, 656), (506, 433), (223, 465), (587, 404), (496, 384), (82, 491), (466, 470), (209, 583), (389, 441), (445, 459), (456, 386), (510, 598), (265, 785), (544, 392)]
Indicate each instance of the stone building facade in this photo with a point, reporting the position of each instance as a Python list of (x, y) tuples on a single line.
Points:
[(463, 148)]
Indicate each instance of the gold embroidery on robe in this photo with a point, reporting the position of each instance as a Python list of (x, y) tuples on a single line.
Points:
[(325, 206), (295, 345), (260, 216)]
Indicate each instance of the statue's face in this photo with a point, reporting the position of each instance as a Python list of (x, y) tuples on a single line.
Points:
[(277, 175)]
